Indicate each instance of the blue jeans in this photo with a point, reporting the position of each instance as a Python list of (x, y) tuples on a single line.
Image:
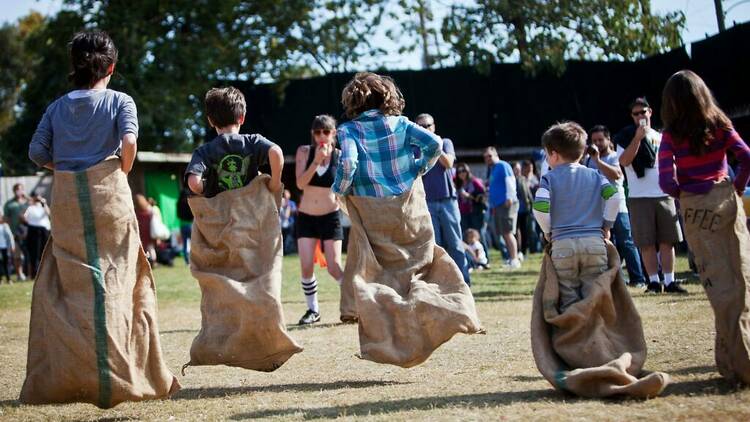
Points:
[(626, 248), (446, 222), (185, 231)]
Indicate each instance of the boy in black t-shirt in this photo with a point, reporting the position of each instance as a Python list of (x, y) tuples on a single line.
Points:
[(231, 160)]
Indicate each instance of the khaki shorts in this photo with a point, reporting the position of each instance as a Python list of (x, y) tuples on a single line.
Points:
[(578, 263), (654, 221), (504, 219)]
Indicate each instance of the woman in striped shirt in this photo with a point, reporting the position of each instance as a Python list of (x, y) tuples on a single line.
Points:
[(696, 138)]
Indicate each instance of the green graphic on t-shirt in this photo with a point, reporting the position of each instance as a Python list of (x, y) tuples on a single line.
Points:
[(232, 171)]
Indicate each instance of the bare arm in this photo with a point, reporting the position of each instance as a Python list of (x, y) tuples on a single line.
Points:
[(195, 183), (303, 173), (129, 148), (628, 155), (446, 160), (610, 172), (276, 160)]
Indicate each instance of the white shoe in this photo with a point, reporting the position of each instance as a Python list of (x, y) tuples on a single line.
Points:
[(520, 256), (513, 264)]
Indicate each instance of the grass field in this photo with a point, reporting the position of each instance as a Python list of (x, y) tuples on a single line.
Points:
[(469, 378)]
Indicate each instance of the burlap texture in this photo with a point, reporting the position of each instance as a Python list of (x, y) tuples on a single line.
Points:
[(717, 235), (93, 335), (596, 347), (236, 258), (408, 293)]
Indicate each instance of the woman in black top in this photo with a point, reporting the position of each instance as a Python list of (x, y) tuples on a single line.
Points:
[(318, 213)]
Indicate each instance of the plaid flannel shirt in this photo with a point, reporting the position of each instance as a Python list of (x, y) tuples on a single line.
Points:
[(377, 155)]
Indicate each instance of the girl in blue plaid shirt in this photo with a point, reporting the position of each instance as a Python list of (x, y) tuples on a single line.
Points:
[(378, 144)]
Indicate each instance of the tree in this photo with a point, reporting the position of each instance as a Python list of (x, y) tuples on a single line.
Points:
[(546, 33), (415, 29), (338, 33)]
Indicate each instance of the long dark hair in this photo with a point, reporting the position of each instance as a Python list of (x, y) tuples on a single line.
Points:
[(460, 183), (91, 55), (322, 121), (690, 113)]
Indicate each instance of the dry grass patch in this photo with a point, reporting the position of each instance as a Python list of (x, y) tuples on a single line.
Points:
[(469, 378)]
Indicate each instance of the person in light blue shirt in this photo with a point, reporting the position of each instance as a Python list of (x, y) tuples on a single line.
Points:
[(504, 205), (575, 206)]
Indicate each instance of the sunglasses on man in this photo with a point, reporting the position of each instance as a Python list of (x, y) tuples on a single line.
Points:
[(640, 112)]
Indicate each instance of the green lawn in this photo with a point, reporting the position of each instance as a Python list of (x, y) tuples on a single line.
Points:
[(471, 377)]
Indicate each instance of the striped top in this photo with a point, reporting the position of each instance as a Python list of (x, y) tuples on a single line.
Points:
[(378, 157), (697, 174)]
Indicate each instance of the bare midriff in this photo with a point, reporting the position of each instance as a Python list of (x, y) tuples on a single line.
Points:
[(317, 200)]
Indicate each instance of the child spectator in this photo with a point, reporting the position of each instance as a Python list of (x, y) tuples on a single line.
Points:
[(7, 246), (475, 251), (697, 135), (231, 160), (575, 207)]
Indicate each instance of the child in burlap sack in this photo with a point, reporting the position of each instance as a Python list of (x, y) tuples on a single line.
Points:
[(575, 207), (93, 334), (696, 138), (407, 292), (236, 246)]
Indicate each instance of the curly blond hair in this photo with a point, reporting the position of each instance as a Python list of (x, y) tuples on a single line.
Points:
[(367, 91)]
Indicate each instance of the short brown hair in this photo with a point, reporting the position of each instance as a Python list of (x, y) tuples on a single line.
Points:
[(567, 139), (225, 106), (367, 91)]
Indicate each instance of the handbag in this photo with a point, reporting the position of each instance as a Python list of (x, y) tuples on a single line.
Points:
[(158, 229)]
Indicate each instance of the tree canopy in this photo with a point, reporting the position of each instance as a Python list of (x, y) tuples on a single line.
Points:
[(172, 51)]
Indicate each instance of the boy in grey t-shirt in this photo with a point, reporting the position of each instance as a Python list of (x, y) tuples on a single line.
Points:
[(575, 207)]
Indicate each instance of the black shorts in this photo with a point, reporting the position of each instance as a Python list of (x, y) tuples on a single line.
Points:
[(323, 227)]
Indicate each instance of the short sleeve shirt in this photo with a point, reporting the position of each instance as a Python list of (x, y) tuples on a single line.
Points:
[(613, 159), (229, 161), (438, 182)]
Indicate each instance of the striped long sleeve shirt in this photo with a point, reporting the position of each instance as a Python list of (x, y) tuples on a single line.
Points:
[(680, 170), (377, 155)]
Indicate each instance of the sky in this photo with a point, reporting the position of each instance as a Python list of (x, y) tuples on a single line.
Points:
[(700, 18)]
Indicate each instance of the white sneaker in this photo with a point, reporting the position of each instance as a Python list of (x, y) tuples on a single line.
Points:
[(513, 264), (520, 256)]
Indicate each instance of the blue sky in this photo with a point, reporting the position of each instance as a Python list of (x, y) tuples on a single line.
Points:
[(700, 15)]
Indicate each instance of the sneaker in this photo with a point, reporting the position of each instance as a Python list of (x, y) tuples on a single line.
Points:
[(310, 317), (520, 256), (675, 287), (22, 277), (653, 287), (513, 264)]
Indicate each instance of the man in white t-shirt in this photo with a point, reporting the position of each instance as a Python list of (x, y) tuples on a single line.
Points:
[(653, 215), (603, 158)]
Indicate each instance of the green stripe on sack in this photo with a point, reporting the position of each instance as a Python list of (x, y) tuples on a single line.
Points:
[(100, 317)]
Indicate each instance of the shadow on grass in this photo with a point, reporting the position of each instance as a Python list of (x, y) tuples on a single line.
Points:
[(9, 403), (296, 327), (715, 385), (219, 392), (421, 403), (695, 370), (180, 331)]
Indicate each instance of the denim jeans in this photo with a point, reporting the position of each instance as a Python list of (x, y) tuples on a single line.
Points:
[(186, 231), (626, 248), (446, 222)]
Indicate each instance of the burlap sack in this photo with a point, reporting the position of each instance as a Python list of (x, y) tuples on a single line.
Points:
[(408, 293), (236, 251), (596, 347), (716, 233), (93, 335)]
